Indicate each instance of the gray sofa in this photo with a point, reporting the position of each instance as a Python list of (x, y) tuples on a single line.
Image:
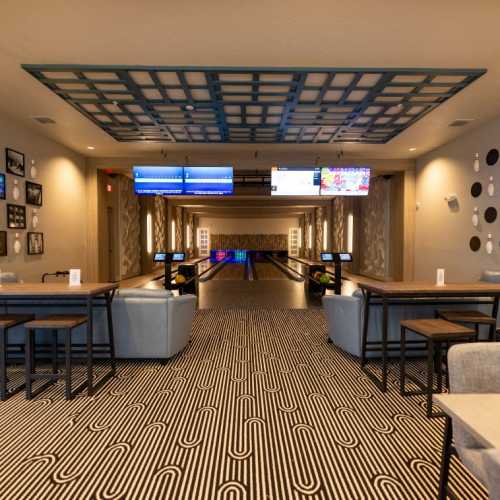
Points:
[(344, 315), (148, 324)]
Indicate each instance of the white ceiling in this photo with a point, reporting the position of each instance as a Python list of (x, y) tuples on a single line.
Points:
[(321, 33)]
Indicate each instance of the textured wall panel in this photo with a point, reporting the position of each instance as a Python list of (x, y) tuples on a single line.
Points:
[(339, 219), (373, 229), (130, 229), (160, 224), (249, 241), (189, 223), (179, 227), (319, 214), (308, 245)]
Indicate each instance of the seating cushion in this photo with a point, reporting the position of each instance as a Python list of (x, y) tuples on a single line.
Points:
[(139, 293), (490, 276)]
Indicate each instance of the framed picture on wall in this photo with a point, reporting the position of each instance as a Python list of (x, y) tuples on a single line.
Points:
[(33, 194), (3, 243), (35, 243), (14, 162), (2, 187), (16, 217)]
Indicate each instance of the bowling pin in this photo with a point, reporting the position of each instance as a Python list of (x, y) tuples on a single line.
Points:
[(476, 162), (475, 217), (489, 245), (491, 187)]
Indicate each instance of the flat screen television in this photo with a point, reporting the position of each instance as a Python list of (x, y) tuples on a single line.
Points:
[(160, 257), (158, 180), (345, 181), (295, 181), (2, 187), (215, 181)]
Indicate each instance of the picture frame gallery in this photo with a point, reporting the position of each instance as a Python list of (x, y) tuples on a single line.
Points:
[(15, 162)]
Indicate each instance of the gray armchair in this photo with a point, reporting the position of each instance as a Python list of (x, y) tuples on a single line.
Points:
[(473, 368), (492, 469)]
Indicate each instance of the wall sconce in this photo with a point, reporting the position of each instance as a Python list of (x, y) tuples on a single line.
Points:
[(149, 233), (188, 236), (350, 232), (16, 192), (172, 239), (325, 235), (17, 244), (310, 231), (33, 170)]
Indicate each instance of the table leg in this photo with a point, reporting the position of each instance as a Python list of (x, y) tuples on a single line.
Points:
[(430, 376), (385, 314), (445, 459), (494, 314), (402, 365), (366, 317), (90, 347), (3, 364), (111, 339)]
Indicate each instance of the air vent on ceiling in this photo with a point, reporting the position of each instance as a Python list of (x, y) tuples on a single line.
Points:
[(461, 122), (44, 120)]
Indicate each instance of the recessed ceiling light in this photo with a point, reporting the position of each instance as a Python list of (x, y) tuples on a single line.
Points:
[(189, 107), (412, 149), (90, 147)]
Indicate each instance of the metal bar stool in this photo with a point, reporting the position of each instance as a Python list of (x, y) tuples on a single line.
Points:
[(55, 323), (8, 321), (436, 332)]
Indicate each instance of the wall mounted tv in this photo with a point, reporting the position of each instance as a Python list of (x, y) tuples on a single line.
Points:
[(345, 181), (295, 181), (208, 181), (158, 180)]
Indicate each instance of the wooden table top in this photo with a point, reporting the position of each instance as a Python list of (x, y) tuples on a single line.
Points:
[(56, 289), (428, 288), (478, 413)]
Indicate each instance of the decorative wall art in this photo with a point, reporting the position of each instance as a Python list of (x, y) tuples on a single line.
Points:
[(490, 215), (3, 243), (492, 157), (491, 188), (2, 187), (34, 194), (34, 218), (475, 217), (35, 243), (489, 244), (14, 162), (476, 189), (16, 216), (33, 170), (475, 164), (475, 243), (17, 245), (16, 192)]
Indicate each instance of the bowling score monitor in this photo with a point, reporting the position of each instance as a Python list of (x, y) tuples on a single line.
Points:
[(169, 257)]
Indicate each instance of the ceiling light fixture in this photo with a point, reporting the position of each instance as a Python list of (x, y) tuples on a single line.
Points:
[(189, 107), (91, 147), (412, 149)]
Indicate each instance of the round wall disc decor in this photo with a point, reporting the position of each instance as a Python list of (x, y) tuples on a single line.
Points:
[(476, 189), (490, 215), (475, 243), (492, 157)]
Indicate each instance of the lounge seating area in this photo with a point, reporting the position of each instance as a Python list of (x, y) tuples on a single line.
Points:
[(249, 250)]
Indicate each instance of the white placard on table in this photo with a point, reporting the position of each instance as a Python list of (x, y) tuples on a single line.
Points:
[(75, 277), (440, 277)]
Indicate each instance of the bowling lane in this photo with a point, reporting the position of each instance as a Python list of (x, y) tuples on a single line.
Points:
[(268, 271), (231, 271)]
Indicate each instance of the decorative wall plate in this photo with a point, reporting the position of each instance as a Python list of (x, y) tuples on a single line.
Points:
[(476, 189), (492, 157), (475, 243), (490, 215)]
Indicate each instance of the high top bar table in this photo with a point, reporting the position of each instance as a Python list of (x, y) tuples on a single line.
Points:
[(87, 296), (397, 293)]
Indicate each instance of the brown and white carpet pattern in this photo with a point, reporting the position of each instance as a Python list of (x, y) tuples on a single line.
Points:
[(259, 406)]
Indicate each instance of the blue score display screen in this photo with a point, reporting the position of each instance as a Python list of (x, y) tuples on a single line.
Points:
[(158, 180), (208, 180)]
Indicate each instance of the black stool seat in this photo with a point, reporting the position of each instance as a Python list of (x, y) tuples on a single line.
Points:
[(8, 321), (436, 332), (57, 322)]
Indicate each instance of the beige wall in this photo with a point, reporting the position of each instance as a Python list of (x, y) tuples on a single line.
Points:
[(63, 217), (443, 232), (248, 225)]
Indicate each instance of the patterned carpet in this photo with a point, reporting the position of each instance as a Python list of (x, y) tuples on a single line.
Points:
[(258, 407)]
